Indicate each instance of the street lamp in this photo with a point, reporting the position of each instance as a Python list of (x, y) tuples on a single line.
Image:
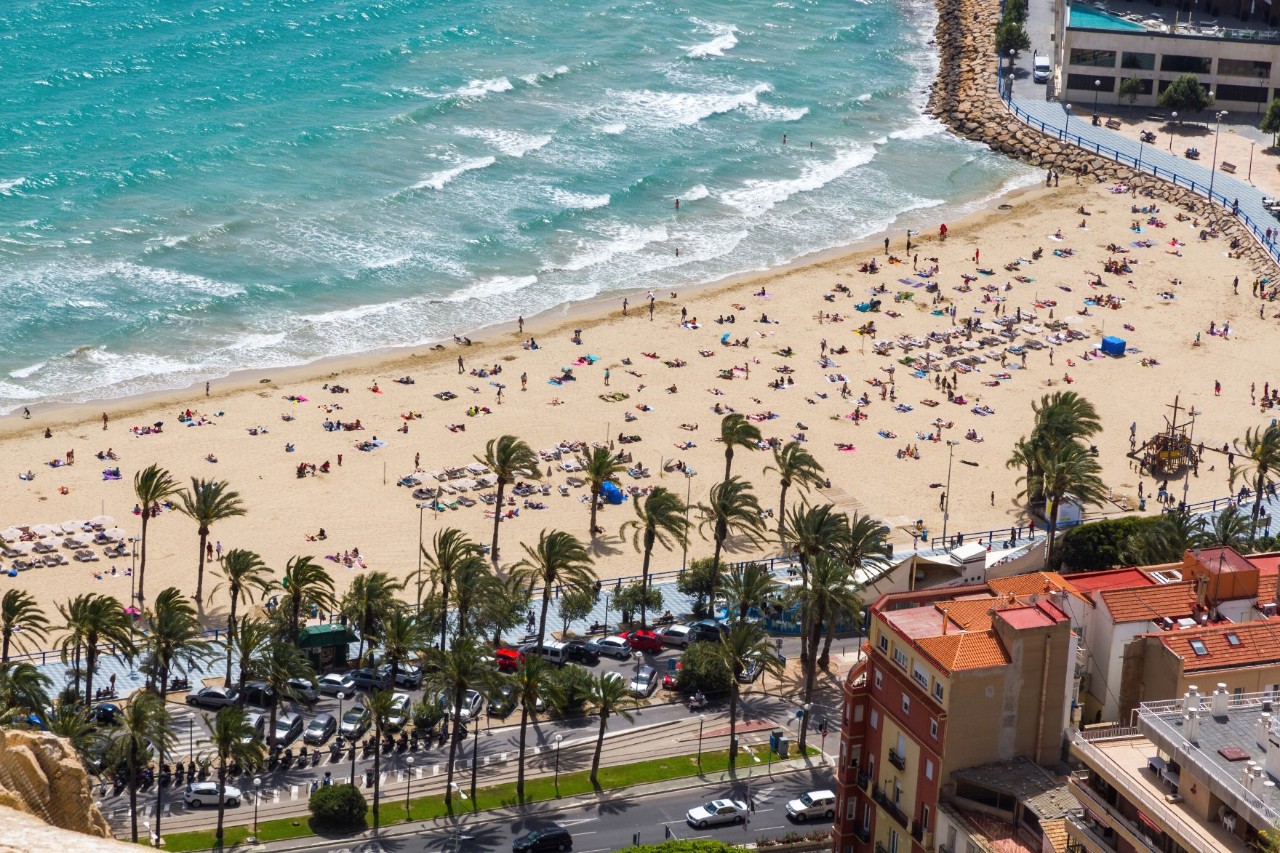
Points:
[(257, 795), (1174, 116), (702, 719), (639, 656), (688, 493), (1097, 87), (191, 737), (133, 573), (1012, 54), (1213, 166), (408, 783), (1249, 177), (556, 740), (946, 497), (1067, 127), (421, 508)]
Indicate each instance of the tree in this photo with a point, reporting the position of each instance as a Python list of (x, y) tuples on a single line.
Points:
[(405, 636), (1060, 418), (91, 620), (575, 605), (144, 722), (338, 807), (737, 431), (475, 587), (451, 673), (558, 559), (1259, 455), (565, 690), (699, 580), (746, 585), (795, 466), (609, 697), (205, 503), (1228, 529), (688, 845), (367, 600), (23, 690), (1015, 10), (450, 548), (381, 704), (1010, 36), (830, 595), (151, 485), (251, 641), (1131, 88), (242, 572), (1271, 121), (731, 509), (233, 741), (661, 519), (503, 607), (745, 645), (1066, 471), (634, 598), (280, 661), (702, 668), (599, 466), (507, 457), (1185, 93), (20, 613), (305, 584), (528, 683)]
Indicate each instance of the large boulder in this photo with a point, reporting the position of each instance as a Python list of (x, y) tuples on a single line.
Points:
[(40, 774)]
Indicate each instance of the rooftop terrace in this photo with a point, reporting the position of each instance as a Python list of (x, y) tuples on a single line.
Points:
[(1137, 16)]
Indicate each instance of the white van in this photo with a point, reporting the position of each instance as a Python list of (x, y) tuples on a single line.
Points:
[(813, 804), (551, 651), (1042, 69), (675, 635)]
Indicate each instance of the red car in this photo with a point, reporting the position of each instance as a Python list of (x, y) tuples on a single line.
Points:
[(645, 641), (508, 660)]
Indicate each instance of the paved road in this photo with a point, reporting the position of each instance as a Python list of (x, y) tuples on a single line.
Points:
[(600, 826)]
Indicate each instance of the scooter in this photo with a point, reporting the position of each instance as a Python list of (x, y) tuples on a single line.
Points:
[(315, 757), (696, 703), (403, 743), (286, 760), (335, 751)]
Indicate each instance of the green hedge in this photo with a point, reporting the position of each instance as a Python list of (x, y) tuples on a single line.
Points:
[(686, 845), (338, 807), (1097, 545)]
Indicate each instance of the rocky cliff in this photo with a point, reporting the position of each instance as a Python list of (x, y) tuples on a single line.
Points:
[(41, 775)]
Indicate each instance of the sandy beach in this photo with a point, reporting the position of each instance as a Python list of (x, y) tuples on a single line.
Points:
[(662, 379)]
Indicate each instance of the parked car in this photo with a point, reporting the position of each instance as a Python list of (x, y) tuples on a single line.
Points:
[(645, 641), (408, 676), (320, 729), (355, 722), (615, 647), (551, 652), (583, 652), (214, 697), (256, 720), (675, 635), (333, 683), (199, 794), (399, 716), (645, 682), (751, 673), (303, 690), (508, 660), (502, 701), (707, 630), (717, 812), (288, 729), (472, 704), (258, 694), (552, 838), (369, 679), (612, 676), (105, 714), (813, 804)]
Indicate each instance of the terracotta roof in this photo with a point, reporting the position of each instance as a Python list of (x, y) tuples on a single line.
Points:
[(964, 650), (1032, 584), (1055, 832), (971, 614), (1091, 583), (1174, 600), (1267, 587), (1255, 643)]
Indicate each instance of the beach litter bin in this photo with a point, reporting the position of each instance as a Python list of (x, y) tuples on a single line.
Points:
[(1113, 346)]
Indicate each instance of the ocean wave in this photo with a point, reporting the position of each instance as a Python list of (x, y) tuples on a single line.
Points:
[(724, 39), (480, 88), (625, 240), (758, 196), (438, 180), (924, 127), (498, 285), (682, 109), (613, 129), (767, 112), (510, 142), (578, 201), (695, 192), (24, 372), (539, 77), (10, 186)]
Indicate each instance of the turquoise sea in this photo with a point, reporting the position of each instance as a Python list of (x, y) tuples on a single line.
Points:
[(190, 188)]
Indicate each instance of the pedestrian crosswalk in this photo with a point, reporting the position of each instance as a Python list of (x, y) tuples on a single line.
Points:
[(190, 734)]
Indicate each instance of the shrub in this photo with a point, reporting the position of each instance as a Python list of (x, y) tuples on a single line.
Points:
[(338, 807), (566, 689), (426, 714), (698, 580), (703, 669), (1100, 544), (684, 845)]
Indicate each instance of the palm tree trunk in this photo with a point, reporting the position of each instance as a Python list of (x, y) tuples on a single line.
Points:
[(90, 658), (453, 747), (231, 629), (222, 803), (204, 537), (75, 670), (444, 610), (1257, 503), (546, 601), (164, 681), (377, 768), (782, 515), (644, 580), (715, 574), (728, 461), (809, 673), (524, 723), (825, 657), (733, 724), (497, 519), (142, 558), (595, 507), (133, 789), (475, 764), (595, 760), (4, 644), (1050, 535)]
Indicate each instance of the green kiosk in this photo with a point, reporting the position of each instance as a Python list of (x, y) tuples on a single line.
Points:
[(327, 645)]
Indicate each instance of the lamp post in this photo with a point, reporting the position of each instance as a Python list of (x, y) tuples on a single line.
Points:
[(556, 740), (408, 778), (639, 656), (257, 795), (421, 508), (1249, 177), (1097, 87), (1191, 436), (1012, 54), (688, 493), (1066, 128), (1213, 166), (191, 737), (946, 498), (1173, 115), (1140, 143), (702, 719)]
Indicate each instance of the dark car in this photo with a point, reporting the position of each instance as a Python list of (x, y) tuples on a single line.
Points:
[(105, 714), (368, 679), (582, 651), (645, 641), (259, 694), (407, 675), (288, 729), (502, 701), (320, 730), (539, 840), (355, 722), (706, 630)]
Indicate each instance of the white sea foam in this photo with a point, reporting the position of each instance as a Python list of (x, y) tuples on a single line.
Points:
[(921, 128), (767, 112), (865, 97), (480, 88), (614, 128), (24, 372), (622, 239), (579, 201), (498, 285), (695, 192), (438, 180), (723, 39), (510, 142), (758, 195), (10, 185), (536, 79), (676, 109)]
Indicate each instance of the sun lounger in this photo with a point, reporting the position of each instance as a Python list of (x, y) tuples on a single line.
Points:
[(44, 546), (489, 498), (52, 560), (477, 469), (488, 481), (9, 553), (564, 491), (424, 494), (20, 565), (467, 502), (86, 556), (570, 466)]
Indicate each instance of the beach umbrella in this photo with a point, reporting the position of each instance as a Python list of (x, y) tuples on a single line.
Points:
[(73, 526), (46, 530), (102, 521), (81, 540), (23, 547), (116, 533), (10, 534), (50, 542)]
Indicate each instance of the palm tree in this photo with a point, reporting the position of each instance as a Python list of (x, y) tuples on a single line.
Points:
[(503, 607), (737, 431), (242, 572), (19, 612), (252, 638), (1066, 470), (1164, 541), (279, 662), (473, 584), (1230, 529), (450, 547), (746, 585), (151, 485), (558, 558), (143, 722), (815, 530), (233, 741), (796, 467), (608, 696), (90, 620), (661, 519), (451, 673), (207, 502), (830, 595), (23, 690), (745, 645), (527, 681), (507, 457), (1260, 460), (731, 509), (405, 636), (381, 704), (1061, 418), (72, 723), (599, 467), (304, 584), (368, 598)]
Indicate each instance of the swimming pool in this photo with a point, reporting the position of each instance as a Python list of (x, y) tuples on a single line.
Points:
[(1085, 16)]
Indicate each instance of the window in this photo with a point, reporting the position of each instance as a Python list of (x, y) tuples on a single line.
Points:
[(920, 675), (1138, 61), (875, 718), (1254, 68), (893, 841), (1238, 693), (1085, 82), (906, 704), (924, 818), (1093, 58), (900, 657), (928, 769), (933, 729), (937, 690), (1198, 647), (879, 679), (1233, 639), (857, 713), (1185, 64), (850, 805), (884, 643), (1248, 94)]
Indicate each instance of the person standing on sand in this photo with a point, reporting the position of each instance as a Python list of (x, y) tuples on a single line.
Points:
[(1217, 388), (624, 306), (524, 381), (886, 245), (104, 421), (606, 377), (520, 323), (460, 367)]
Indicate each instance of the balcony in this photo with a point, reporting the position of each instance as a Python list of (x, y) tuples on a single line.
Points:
[(863, 833), (864, 781), (898, 761), (880, 848), (1087, 837), (917, 831), (890, 806)]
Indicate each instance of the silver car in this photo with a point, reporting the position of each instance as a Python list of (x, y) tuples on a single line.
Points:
[(199, 794), (645, 682), (333, 683), (717, 812), (213, 697)]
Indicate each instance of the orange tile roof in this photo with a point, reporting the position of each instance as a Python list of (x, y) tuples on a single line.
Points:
[(1258, 642), (1174, 600), (1267, 587), (971, 614), (961, 651), (1055, 832), (1032, 584)]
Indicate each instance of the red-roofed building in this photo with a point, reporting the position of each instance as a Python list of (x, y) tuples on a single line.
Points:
[(952, 679)]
